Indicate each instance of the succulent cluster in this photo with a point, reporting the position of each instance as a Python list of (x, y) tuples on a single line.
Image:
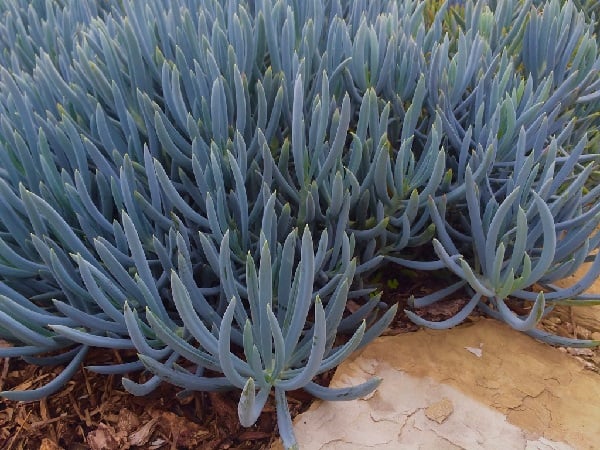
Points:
[(207, 183)]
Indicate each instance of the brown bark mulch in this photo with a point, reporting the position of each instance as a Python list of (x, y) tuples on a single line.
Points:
[(95, 412)]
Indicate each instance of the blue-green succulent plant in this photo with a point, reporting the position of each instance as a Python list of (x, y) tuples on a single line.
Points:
[(207, 183)]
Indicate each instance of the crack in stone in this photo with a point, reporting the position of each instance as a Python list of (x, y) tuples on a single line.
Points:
[(397, 418), (445, 439), (325, 445), (406, 420)]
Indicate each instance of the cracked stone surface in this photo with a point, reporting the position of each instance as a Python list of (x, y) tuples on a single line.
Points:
[(516, 393)]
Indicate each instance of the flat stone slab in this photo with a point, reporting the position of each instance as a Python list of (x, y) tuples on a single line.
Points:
[(477, 386)]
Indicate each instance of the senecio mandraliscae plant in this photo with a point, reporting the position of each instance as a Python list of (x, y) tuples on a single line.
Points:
[(207, 183), (531, 220)]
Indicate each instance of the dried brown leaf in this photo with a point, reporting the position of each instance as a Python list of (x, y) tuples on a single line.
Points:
[(183, 432), (103, 438), (127, 421), (143, 434), (48, 444)]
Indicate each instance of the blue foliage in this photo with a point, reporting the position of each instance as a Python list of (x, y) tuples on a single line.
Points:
[(210, 182)]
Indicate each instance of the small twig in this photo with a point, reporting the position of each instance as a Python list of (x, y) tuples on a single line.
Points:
[(75, 407), (4, 373), (43, 423), (18, 431), (88, 388)]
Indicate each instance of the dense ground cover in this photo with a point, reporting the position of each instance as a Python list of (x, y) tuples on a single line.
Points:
[(213, 187)]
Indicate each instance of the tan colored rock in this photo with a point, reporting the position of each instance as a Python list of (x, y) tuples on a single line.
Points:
[(587, 317), (519, 394), (440, 411)]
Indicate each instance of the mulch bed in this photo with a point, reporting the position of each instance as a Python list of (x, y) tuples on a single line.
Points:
[(95, 412)]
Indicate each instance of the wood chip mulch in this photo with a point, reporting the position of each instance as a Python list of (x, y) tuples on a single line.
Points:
[(95, 412)]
